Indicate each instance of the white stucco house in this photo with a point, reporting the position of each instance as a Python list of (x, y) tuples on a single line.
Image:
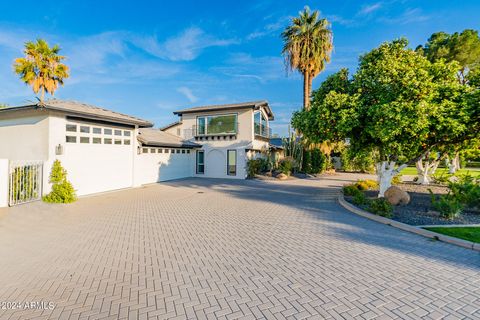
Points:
[(103, 150)]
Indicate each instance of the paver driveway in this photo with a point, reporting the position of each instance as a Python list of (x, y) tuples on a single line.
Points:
[(201, 248)]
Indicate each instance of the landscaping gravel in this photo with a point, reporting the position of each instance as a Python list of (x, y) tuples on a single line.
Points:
[(420, 212)]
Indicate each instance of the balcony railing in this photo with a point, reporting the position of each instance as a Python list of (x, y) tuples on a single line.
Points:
[(263, 131), (225, 130)]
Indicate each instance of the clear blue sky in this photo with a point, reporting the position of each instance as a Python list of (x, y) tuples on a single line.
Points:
[(148, 58)]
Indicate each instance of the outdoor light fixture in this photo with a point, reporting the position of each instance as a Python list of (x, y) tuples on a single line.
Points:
[(59, 150), (139, 150)]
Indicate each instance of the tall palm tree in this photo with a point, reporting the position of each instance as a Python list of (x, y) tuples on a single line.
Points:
[(308, 43), (41, 68)]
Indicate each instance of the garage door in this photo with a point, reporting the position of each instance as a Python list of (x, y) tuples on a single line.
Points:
[(178, 165), (98, 158)]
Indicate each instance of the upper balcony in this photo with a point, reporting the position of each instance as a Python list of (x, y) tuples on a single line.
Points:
[(262, 131), (212, 131)]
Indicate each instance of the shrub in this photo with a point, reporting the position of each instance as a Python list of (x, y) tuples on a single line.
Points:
[(314, 161), (442, 178), (357, 161), (62, 189), (360, 199), (448, 206), (381, 207), (351, 190), (287, 165), (466, 190), (397, 179), (366, 184), (256, 166)]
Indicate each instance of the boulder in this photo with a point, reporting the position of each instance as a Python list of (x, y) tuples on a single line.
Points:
[(396, 196), (282, 176)]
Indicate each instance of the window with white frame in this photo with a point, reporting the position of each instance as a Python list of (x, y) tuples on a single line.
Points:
[(217, 124)]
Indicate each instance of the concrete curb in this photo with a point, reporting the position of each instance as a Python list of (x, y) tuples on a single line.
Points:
[(407, 227)]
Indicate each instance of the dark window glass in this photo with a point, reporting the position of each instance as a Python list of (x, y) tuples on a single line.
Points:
[(200, 162), (126, 142), (97, 130), (118, 132), (97, 140), (107, 131), (71, 139), (71, 127), (84, 140), (201, 125), (107, 141), (84, 129)]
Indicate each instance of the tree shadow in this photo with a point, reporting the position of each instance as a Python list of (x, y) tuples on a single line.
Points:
[(318, 198)]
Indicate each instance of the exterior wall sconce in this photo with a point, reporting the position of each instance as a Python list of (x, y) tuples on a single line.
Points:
[(139, 150), (59, 150)]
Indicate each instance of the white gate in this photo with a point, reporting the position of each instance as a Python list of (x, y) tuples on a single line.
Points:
[(25, 182)]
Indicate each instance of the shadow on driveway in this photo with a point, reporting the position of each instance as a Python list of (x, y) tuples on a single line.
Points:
[(317, 198)]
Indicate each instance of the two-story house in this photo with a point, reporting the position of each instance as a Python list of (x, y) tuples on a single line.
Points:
[(229, 135), (104, 150)]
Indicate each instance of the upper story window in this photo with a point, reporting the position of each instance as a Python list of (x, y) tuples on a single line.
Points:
[(218, 124), (260, 124)]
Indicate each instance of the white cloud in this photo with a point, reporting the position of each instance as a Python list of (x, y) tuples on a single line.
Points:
[(186, 46), (245, 66), (368, 9), (188, 94), (269, 28), (414, 15)]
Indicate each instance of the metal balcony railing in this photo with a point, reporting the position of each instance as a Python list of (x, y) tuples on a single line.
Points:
[(263, 131), (217, 130)]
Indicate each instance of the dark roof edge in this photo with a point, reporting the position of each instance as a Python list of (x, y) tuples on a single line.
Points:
[(145, 123)]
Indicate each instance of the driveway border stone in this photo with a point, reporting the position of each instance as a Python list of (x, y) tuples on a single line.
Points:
[(407, 227)]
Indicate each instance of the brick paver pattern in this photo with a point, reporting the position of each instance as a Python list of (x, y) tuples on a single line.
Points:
[(218, 249)]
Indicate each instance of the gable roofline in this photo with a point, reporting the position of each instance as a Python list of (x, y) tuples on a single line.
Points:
[(82, 110), (157, 138), (171, 125), (256, 105)]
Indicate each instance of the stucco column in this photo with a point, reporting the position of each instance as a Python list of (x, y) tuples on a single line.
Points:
[(3, 183)]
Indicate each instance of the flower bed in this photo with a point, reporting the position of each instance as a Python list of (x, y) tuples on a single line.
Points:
[(420, 210)]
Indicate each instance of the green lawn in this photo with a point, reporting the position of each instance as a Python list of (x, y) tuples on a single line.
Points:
[(465, 233), (472, 171)]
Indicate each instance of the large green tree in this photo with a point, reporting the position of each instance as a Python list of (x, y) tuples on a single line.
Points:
[(41, 68), (463, 47), (398, 106), (308, 43)]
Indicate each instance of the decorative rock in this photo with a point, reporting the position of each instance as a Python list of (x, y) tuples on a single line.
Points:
[(282, 176), (268, 174), (396, 196)]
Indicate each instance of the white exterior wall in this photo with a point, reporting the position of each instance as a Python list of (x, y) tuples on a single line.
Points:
[(4, 163), (24, 136), (91, 168), (157, 167)]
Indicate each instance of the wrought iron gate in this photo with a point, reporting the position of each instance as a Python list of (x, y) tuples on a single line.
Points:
[(25, 183)]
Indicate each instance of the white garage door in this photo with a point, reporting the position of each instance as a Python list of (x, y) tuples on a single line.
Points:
[(97, 157), (162, 164), (96, 168), (176, 166)]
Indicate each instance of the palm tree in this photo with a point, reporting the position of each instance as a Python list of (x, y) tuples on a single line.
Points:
[(41, 68), (308, 43)]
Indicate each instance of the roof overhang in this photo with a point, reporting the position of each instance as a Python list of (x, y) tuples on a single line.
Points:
[(84, 115), (257, 105)]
